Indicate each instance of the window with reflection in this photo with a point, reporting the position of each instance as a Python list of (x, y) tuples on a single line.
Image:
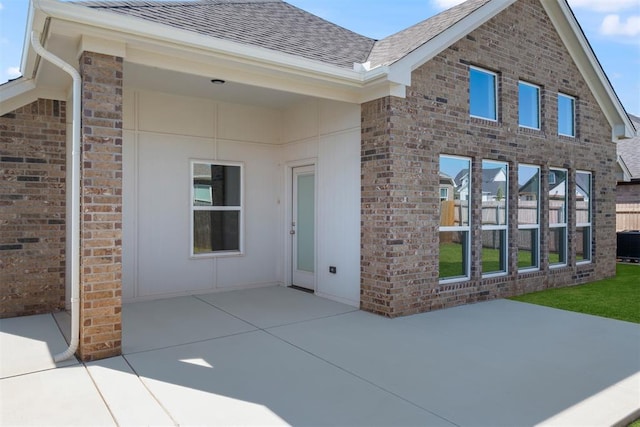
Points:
[(557, 217), (483, 94), (528, 238), (495, 194), (216, 208), (583, 216), (455, 216), (528, 105), (566, 115)]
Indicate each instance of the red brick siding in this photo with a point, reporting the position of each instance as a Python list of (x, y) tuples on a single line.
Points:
[(32, 209), (402, 140), (101, 221)]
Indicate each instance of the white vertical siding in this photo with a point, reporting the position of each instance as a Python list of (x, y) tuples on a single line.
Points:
[(329, 133), (163, 132)]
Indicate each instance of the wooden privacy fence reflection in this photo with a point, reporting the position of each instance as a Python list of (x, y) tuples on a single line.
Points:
[(627, 216)]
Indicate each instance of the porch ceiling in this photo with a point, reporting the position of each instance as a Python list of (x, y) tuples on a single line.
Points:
[(178, 83)]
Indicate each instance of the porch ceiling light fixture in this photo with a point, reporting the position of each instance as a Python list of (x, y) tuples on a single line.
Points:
[(218, 81)]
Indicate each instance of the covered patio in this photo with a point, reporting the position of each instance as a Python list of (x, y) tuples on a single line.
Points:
[(277, 356)]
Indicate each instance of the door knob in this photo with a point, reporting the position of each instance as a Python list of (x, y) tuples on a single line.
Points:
[(292, 232)]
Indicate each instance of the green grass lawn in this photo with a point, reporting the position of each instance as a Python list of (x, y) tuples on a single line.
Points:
[(616, 298), (451, 257), (451, 260)]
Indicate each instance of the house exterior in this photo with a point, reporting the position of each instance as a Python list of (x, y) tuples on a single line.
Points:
[(230, 144), (628, 186)]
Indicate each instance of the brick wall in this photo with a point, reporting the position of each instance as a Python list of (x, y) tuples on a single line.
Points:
[(402, 140), (628, 192), (32, 209), (101, 192)]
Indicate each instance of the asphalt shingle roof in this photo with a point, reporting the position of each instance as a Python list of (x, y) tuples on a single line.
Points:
[(277, 25), (271, 24), (395, 47), (629, 150)]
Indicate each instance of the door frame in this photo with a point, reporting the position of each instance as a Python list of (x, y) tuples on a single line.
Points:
[(288, 209)]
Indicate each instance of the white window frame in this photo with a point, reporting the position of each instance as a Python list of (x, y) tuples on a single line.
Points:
[(192, 209), (573, 114), (499, 227), (539, 89), (590, 212), (495, 89), (535, 226), (564, 224), (446, 194), (465, 228)]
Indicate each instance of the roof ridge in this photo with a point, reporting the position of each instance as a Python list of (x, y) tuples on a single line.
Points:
[(325, 20)]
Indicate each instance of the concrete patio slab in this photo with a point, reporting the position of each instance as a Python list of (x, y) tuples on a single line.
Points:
[(498, 363), (130, 403), (608, 407), (63, 319), (28, 344), (164, 323), (274, 306), (57, 397), (256, 379), (495, 363)]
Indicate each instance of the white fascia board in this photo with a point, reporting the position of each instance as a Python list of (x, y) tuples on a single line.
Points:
[(383, 90), (137, 28), (35, 21), (13, 94), (102, 45), (433, 47), (16, 87), (625, 170), (580, 50), (23, 91)]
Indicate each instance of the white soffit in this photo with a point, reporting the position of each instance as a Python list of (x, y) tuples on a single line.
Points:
[(163, 80)]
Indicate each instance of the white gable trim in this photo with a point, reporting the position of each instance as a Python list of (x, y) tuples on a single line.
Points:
[(591, 70), (23, 91), (433, 47), (626, 173)]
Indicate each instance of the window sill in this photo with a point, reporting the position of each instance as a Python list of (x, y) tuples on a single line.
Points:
[(528, 270), (453, 280), (493, 275), (522, 130), (556, 266), (226, 254), (561, 135), (484, 121)]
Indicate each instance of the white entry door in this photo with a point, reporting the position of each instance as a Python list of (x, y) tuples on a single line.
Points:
[(303, 227)]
